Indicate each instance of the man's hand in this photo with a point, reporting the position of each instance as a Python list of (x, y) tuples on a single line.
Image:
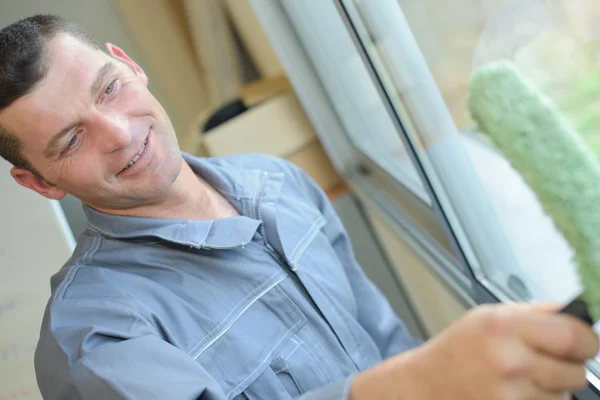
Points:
[(496, 352)]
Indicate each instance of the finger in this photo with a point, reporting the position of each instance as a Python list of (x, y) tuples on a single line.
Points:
[(554, 396), (527, 390), (536, 306), (553, 375), (547, 307), (556, 335)]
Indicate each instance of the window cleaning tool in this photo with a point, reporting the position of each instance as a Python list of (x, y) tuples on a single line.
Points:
[(554, 161)]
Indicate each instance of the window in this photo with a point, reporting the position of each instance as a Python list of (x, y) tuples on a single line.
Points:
[(449, 82), (351, 89), (550, 44), (354, 97), (520, 82)]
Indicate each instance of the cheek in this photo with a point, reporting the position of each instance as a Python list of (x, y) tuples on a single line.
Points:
[(57, 173), (132, 97), (80, 173)]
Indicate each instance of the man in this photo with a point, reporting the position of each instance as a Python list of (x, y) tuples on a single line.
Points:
[(227, 278)]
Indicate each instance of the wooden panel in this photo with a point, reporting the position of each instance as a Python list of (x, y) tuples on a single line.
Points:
[(314, 161), (436, 305), (261, 90), (215, 49), (254, 38)]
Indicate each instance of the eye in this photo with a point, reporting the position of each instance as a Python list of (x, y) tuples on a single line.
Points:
[(110, 88), (71, 144)]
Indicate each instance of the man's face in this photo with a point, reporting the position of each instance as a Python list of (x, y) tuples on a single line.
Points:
[(86, 122)]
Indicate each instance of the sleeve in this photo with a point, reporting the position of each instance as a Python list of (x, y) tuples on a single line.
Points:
[(375, 314), (102, 349)]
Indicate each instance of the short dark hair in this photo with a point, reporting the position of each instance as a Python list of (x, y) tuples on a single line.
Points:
[(23, 65)]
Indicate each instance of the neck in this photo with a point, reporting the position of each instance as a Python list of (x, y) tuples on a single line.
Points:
[(189, 197)]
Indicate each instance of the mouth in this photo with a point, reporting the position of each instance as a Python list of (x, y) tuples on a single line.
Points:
[(135, 159), (137, 156)]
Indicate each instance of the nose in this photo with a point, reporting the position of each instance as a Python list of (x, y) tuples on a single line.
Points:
[(112, 132)]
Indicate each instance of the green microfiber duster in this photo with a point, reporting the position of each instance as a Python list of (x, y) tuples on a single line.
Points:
[(552, 158)]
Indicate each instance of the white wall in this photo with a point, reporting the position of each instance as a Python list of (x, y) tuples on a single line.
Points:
[(35, 241)]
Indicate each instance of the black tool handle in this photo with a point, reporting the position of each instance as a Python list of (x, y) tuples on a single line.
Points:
[(578, 308)]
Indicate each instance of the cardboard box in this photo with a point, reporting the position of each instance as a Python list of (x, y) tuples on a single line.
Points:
[(277, 126)]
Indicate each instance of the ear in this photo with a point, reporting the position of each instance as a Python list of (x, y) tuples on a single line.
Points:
[(119, 54), (30, 181)]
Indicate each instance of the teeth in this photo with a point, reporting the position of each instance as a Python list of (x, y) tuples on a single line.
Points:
[(137, 157)]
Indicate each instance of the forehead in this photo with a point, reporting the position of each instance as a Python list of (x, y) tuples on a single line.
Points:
[(72, 67)]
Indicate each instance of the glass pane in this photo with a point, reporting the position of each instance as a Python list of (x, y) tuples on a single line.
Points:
[(522, 83), (352, 90)]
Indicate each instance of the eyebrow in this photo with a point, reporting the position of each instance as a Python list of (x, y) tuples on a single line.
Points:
[(106, 70)]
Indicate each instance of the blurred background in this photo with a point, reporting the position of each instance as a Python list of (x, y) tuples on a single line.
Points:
[(376, 100)]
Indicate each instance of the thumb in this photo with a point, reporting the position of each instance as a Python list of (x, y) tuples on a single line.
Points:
[(545, 307)]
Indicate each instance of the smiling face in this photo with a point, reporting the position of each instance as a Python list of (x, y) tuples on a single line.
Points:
[(92, 129)]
